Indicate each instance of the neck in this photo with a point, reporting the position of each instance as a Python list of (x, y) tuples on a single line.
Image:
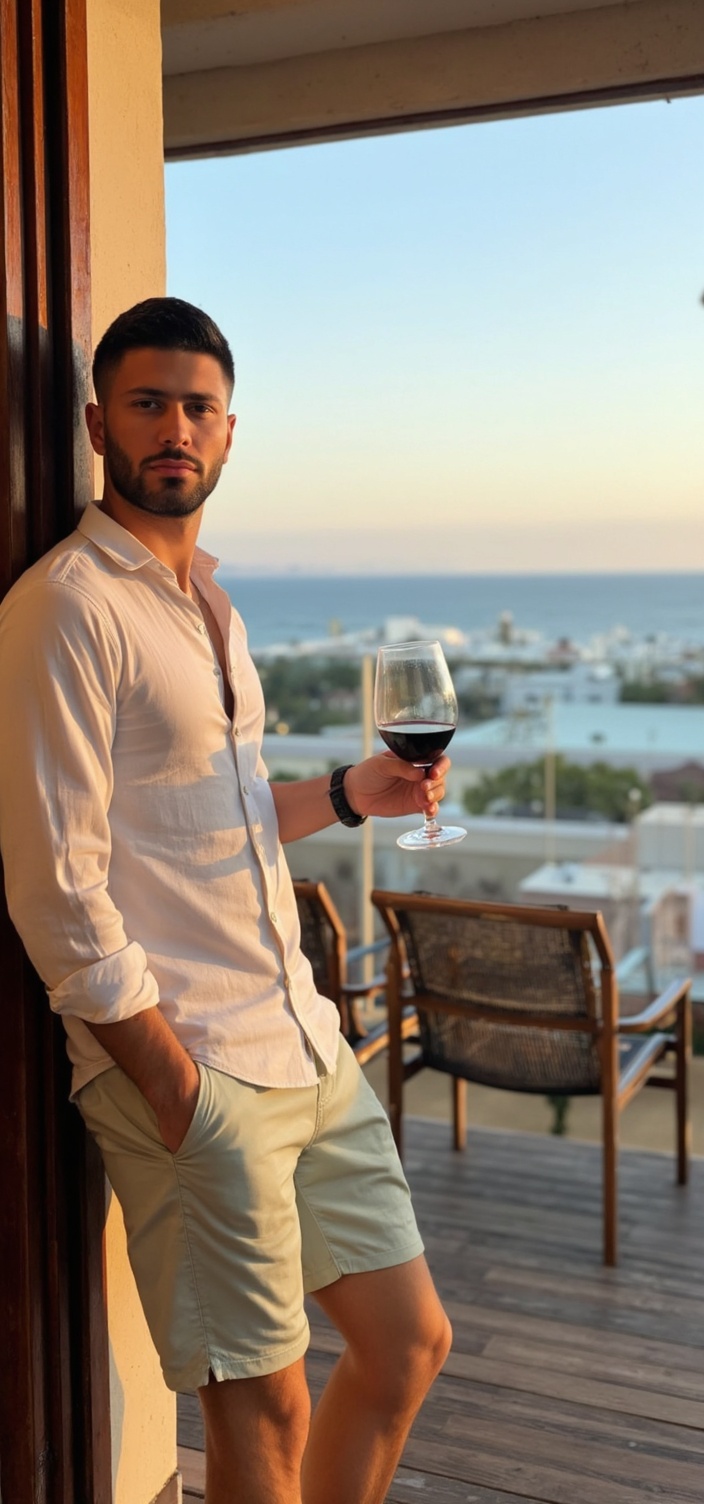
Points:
[(172, 540)]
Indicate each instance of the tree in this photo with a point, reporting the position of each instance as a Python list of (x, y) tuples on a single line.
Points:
[(308, 693), (598, 789)]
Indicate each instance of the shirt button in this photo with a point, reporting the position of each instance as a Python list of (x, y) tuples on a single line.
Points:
[(237, 731), (273, 917), (245, 789), (201, 627)]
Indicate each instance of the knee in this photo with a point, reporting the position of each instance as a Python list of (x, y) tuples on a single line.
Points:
[(244, 1415), (434, 1345), (405, 1374), (422, 1361), (285, 1412), (443, 1341)]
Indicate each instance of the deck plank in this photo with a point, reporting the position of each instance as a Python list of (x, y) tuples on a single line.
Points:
[(567, 1383)]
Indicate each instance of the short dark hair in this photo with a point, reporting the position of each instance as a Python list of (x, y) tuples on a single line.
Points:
[(160, 324)]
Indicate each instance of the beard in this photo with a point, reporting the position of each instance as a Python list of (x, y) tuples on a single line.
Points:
[(176, 496)]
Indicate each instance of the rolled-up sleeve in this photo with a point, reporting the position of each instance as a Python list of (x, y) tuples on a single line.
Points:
[(60, 665)]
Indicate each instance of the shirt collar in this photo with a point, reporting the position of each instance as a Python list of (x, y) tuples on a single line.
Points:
[(126, 550), (205, 561)]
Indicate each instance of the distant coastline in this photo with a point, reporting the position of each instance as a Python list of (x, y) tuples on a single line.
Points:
[(298, 607), (299, 572)]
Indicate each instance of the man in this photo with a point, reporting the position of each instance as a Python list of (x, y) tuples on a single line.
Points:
[(144, 870)]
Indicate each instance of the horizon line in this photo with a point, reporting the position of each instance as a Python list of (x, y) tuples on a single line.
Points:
[(294, 571)]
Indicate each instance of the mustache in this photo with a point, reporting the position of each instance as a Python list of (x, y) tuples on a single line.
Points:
[(173, 454)]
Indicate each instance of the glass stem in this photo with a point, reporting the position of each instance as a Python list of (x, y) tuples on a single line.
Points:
[(431, 826)]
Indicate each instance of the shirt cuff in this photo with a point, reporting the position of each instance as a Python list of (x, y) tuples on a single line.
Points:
[(116, 987)]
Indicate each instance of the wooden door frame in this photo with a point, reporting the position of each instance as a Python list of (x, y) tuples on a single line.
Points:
[(54, 1375)]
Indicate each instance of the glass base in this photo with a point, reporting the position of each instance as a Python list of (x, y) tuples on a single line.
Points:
[(422, 840)]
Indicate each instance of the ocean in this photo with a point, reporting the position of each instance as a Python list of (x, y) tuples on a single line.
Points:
[(292, 608)]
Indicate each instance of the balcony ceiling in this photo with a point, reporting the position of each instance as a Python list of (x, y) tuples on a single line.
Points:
[(203, 34), (245, 74)]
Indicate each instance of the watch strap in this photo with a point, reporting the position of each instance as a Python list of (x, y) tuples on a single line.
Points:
[(338, 799)]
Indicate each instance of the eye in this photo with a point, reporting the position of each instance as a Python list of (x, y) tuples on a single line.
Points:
[(201, 409), (145, 403)]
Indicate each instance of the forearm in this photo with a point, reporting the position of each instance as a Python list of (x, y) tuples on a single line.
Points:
[(303, 807), (380, 785), (147, 1050)]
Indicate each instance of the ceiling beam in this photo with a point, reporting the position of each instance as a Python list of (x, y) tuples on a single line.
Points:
[(652, 48)]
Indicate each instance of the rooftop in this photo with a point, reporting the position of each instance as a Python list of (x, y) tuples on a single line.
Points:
[(599, 882), (672, 814), (664, 731)]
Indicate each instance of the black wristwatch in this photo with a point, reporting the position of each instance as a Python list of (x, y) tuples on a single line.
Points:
[(338, 800)]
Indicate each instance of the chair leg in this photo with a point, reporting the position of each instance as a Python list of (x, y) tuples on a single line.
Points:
[(459, 1112), (610, 1120), (683, 1057), (395, 1079)]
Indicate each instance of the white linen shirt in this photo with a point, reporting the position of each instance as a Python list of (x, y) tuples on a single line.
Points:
[(139, 835)]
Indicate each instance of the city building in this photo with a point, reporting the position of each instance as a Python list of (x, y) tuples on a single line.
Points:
[(580, 683), (649, 738), (651, 894)]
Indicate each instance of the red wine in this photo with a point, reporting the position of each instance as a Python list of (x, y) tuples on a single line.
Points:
[(419, 742)]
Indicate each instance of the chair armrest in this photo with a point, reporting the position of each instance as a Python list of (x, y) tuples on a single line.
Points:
[(367, 1045), (364, 989), (354, 955), (666, 1004), (357, 952), (379, 981), (634, 960)]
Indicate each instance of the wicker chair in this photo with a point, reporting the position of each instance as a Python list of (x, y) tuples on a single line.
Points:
[(324, 943), (526, 999)]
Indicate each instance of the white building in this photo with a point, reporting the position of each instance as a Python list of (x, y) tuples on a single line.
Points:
[(654, 902), (672, 835), (626, 898), (581, 683), (649, 738)]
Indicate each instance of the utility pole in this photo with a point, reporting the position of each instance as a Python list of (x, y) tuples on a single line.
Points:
[(366, 874), (635, 799), (550, 799)]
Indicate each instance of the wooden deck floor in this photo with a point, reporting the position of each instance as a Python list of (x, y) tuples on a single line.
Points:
[(567, 1383)]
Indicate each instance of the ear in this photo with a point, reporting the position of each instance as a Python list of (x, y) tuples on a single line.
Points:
[(231, 420), (95, 422)]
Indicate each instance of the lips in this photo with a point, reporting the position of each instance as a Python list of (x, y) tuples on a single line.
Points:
[(172, 467)]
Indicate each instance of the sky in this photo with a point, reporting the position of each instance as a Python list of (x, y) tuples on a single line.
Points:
[(475, 349)]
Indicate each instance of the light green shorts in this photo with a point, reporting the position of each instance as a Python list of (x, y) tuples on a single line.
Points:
[(273, 1193)]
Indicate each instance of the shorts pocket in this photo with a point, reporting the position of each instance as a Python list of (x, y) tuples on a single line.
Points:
[(198, 1122)]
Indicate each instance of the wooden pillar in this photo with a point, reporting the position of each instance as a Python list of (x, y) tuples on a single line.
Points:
[(54, 1408)]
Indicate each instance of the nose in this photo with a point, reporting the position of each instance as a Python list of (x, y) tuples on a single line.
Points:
[(174, 428)]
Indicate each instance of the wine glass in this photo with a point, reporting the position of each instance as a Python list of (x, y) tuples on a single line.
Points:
[(415, 708)]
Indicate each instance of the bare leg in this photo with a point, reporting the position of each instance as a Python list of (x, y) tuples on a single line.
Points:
[(255, 1435), (398, 1337)]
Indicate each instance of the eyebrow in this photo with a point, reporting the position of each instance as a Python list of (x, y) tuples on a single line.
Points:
[(155, 391)]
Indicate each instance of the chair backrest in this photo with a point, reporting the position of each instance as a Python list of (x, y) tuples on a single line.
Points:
[(506, 995), (323, 937)]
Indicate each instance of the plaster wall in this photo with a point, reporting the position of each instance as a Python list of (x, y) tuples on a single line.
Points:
[(127, 224), (128, 262)]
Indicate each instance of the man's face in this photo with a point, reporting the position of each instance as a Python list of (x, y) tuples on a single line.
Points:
[(163, 430)]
